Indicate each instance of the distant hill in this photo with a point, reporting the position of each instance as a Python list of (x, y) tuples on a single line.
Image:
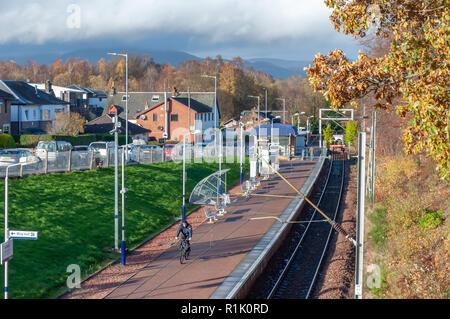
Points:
[(278, 68)]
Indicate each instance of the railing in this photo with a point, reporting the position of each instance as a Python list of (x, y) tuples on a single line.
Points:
[(52, 162)]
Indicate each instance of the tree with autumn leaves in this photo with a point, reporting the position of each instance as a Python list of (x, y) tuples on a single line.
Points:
[(412, 78)]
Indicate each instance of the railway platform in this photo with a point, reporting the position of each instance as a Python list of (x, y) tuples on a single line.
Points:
[(223, 254)]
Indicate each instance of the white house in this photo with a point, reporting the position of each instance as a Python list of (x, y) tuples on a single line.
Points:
[(32, 110)]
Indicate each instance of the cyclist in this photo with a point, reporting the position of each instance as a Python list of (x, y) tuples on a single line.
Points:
[(186, 234)]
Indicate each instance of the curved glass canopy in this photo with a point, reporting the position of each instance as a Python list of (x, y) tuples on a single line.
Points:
[(206, 192)]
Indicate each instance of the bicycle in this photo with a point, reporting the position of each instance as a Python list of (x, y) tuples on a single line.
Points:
[(184, 249)]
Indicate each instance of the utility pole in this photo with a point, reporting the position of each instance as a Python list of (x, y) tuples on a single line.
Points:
[(123, 191), (126, 92), (265, 100), (360, 216), (373, 134), (116, 183), (242, 153)]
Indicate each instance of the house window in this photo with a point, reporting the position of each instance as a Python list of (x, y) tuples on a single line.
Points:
[(174, 117), (155, 98), (46, 115), (26, 115), (124, 97), (3, 107), (155, 117)]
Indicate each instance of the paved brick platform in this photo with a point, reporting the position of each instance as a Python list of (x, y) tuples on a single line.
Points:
[(217, 249)]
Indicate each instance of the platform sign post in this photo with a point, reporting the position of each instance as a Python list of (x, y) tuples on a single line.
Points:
[(242, 145), (123, 191), (23, 234), (360, 216), (6, 251)]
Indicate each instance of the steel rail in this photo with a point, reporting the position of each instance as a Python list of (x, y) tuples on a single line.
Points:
[(329, 234), (287, 266)]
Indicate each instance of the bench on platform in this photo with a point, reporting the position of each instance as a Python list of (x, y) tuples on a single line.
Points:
[(246, 188), (210, 215), (224, 200)]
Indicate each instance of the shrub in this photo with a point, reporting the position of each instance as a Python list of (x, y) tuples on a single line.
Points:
[(328, 135), (351, 131), (7, 141), (431, 220)]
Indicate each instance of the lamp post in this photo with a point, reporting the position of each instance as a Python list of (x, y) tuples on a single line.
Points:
[(115, 131), (123, 191), (6, 220), (215, 126), (265, 99), (259, 127), (183, 208), (126, 94)]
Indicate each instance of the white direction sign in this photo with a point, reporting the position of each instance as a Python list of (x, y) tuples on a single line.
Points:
[(23, 234), (6, 251)]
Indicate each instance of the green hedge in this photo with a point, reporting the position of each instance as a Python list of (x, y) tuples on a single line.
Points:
[(30, 141), (7, 141)]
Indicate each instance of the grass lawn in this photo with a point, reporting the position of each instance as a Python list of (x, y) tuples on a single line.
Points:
[(74, 215)]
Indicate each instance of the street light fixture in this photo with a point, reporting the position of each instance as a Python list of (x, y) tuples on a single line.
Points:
[(126, 94)]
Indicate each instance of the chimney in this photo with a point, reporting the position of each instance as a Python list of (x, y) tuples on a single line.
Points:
[(175, 92), (48, 87), (112, 91)]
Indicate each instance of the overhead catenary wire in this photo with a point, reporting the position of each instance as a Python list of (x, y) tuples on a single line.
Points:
[(266, 195), (333, 224), (283, 221)]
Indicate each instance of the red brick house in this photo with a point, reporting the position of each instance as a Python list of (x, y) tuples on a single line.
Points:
[(176, 117)]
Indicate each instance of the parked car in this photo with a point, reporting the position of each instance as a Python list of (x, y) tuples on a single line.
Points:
[(168, 149), (82, 151), (148, 148), (145, 151), (10, 156), (54, 151), (101, 147)]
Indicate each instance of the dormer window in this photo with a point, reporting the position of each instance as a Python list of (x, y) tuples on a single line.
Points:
[(155, 98), (124, 97)]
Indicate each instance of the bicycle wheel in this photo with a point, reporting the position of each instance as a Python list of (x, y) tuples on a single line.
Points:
[(182, 253)]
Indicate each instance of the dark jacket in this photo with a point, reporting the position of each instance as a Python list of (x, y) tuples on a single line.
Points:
[(186, 232)]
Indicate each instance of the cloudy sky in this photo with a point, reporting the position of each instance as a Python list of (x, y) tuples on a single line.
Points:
[(288, 29)]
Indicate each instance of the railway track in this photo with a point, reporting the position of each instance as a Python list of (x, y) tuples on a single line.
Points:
[(298, 264)]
